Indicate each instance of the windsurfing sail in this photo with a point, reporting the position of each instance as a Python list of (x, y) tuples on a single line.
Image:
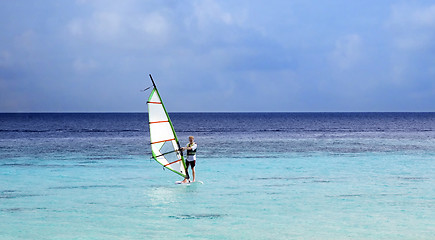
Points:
[(165, 147)]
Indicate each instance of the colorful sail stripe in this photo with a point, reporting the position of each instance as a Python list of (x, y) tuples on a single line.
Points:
[(172, 162), (163, 141), (155, 102), (158, 122)]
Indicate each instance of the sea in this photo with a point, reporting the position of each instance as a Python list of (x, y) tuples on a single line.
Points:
[(265, 176)]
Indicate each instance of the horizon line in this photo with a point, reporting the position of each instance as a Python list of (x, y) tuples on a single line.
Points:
[(50, 112)]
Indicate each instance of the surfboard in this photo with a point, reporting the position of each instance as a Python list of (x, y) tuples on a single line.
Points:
[(189, 183)]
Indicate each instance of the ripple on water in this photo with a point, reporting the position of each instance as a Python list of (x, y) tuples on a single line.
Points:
[(88, 186), (198, 216), (12, 210), (9, 194)]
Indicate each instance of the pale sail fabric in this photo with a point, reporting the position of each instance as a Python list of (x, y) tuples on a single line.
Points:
[(164, 142)]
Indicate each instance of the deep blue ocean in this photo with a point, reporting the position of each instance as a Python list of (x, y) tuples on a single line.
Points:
[(266, 176)]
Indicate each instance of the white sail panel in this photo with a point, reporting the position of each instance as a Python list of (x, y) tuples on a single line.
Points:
[(154, 97), (161, 131), (171, 159), (156, 112)]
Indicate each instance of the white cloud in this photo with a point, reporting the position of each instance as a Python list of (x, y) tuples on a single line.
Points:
[(425, 16), (412, 26), (409, 16), (347, 51), (106, 24), (208, 12), (135, 29), (102, 26), (75, 27), (155, 24)]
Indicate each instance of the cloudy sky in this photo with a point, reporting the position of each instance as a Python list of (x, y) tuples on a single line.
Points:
[(210, 55)]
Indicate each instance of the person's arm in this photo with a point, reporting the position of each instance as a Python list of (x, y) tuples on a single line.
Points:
[(192, 148), (185, 148)]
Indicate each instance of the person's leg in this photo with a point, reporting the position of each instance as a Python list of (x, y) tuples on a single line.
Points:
[(193, 170), (187, 173), (193, 173)]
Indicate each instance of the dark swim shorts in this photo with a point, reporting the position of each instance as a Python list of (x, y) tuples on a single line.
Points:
[(191, 163)]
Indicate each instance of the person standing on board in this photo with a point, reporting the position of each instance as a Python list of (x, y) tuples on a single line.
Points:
[(190, 159)]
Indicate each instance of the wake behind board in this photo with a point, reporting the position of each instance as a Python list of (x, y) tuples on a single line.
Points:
[(188, 183)]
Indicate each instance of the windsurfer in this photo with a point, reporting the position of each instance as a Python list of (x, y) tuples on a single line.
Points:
[(191, 158)]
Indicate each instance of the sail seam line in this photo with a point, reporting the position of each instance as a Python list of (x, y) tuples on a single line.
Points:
[(158, 122), (172, 162), (164, 141)]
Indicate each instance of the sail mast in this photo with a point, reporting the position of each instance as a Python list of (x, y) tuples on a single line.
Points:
[(152, 80)]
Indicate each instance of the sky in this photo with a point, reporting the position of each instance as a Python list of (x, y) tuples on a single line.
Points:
[(217, 56)]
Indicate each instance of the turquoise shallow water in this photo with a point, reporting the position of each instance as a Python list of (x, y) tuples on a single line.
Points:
[(332, 186), (301, 196)]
